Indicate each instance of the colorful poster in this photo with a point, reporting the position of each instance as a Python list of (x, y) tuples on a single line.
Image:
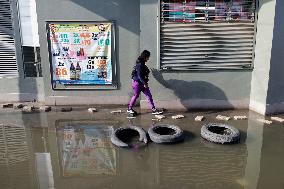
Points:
[(86, 150), (182, 12), (222, 8), (81, 53)]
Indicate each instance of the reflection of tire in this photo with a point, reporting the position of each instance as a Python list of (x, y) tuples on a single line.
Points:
[(220, 133), (120, 134), (165, 134)]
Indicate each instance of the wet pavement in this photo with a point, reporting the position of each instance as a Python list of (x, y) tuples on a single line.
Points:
[(72, 150)]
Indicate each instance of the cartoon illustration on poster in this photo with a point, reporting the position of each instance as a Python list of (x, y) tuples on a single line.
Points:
[(81, 53), (86, 150)]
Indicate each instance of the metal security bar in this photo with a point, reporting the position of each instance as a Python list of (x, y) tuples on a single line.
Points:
[(32, 61), (8, 62), (205, 35)]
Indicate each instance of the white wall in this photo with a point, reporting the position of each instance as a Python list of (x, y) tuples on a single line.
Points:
[(28, 23), (260, 74)]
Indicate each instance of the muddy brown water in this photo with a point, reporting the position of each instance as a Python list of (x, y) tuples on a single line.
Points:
[(72, 150)]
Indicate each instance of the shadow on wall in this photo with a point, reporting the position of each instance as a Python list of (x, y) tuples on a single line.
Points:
[(195, 94), (114, 9), (110, 9), (262, 2), (119, 11), (275, 94), (28, 88)]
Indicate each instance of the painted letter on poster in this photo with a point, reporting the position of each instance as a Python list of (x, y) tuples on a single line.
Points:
[(81, 53)]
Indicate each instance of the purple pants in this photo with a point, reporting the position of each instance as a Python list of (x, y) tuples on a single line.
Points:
[(137, 88)]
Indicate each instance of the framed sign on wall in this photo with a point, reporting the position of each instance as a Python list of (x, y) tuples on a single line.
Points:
[(81, 54)]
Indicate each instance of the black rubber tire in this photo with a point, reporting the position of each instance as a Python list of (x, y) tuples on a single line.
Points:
[(177, 136), (232, 134), (118, 142)]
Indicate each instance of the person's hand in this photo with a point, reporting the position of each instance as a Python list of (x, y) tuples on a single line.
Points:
[(146, 85)]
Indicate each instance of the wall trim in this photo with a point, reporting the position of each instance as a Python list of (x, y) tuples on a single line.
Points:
[(275, 108), (21, 97), (257, 107), (198, 104), (86, 100)]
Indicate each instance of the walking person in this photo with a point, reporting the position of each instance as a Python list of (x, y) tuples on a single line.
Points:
[(140, 79)]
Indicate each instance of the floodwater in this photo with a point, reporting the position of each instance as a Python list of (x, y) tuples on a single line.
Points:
[(72, 150)]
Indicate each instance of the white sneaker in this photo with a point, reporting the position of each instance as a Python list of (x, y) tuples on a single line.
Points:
[(131, 111), (156, 112)]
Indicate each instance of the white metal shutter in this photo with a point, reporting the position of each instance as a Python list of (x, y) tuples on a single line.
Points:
[(207, 34), (8, 62)]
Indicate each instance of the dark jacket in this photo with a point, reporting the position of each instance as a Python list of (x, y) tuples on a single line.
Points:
[(140, 72)]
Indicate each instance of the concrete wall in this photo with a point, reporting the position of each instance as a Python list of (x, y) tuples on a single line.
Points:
[(137, 29), (275, 94), (213, 89), (260, 75), (125, 13), (21, 89)]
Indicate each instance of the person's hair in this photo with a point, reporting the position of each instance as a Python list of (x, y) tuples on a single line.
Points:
[(145, 54)]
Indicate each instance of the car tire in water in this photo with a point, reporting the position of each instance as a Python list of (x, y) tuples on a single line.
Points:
[(120, 133), (220, 133), (164, 133)]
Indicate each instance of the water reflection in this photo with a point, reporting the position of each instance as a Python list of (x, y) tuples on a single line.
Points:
[(16, 167), (44, 171), (202, 165), (58, 152), (86, 150)]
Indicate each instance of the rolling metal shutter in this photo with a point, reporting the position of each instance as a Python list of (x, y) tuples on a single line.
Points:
[(8, 62), (207, 35)]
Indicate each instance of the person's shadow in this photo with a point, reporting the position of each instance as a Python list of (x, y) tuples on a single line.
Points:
[(194, 94)]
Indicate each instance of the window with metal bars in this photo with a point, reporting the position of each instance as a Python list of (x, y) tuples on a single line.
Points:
[(207, 35), (32, 62)]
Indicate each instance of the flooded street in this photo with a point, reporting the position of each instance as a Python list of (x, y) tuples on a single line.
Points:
[(72, 150)]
